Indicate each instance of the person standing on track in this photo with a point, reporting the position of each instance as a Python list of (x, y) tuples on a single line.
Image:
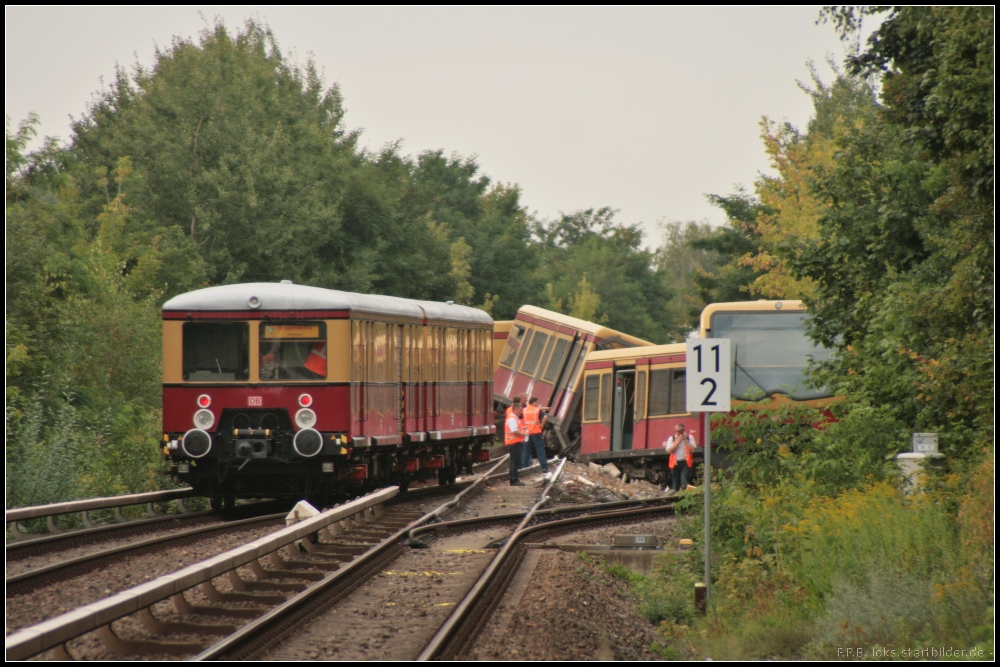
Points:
[(533, 422), (680, 446), (514, 441)]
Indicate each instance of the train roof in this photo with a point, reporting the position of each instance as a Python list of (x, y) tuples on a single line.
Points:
[(302, 298), (760, 306), (642, 352), (576, 323)]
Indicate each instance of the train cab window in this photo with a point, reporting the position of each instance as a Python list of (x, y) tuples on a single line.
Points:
[(514, 340), (591, 397), (216, 351), (530, 363), (555, 361), (293, 351)]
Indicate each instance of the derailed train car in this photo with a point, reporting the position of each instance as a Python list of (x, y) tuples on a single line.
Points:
[(283, 390), (633, 400), (543, 356)]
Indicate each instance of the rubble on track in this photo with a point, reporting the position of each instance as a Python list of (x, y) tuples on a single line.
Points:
[(584, 484)]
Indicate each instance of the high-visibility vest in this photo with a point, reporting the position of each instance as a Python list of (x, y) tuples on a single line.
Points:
[(689, 459), (512, 438), (317, 359), (533, 419)]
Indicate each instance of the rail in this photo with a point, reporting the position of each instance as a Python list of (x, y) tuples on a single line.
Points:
[(83, 507), (56, 631)]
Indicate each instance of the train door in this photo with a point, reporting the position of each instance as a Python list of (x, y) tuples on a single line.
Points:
[(623, 412), (400, 389)]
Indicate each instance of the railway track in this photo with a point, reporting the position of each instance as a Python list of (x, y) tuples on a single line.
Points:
[(355, 578), (267, 581)]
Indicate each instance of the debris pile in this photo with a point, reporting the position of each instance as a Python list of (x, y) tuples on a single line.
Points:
[(590, 483)]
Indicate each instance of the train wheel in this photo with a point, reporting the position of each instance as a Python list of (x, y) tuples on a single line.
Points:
[(215, 502), (447, 475), (229, 502)]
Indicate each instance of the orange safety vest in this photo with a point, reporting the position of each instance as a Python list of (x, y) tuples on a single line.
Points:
[(532, 418), (689, 459), (317, 359), (511, 438)]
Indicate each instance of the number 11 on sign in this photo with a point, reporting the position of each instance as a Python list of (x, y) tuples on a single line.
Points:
[(709, 373)]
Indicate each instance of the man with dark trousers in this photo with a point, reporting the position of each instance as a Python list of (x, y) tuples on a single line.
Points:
[(513, 439)]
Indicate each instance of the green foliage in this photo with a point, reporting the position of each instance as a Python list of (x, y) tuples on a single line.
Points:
[(904, 262), (588, 254), (680, 261)]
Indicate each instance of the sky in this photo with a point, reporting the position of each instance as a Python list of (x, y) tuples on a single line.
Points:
[(645, 110)]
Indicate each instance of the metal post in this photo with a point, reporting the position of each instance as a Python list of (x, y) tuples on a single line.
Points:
[(707, 493)]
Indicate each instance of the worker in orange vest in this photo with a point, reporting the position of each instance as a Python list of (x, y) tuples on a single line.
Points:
[(680, 447), (533, 421), (513, 439)]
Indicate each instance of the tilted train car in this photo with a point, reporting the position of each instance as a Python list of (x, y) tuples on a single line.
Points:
[(632, 401), (543, 356), (283, 390), (770, 349)]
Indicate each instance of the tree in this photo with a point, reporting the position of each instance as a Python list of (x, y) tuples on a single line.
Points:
[(904, 260), (237, 147), (588, 256)]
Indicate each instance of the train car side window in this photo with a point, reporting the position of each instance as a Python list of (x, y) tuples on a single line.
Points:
[(606, 398), (591, 397), (545, 355), (555, 361), (293, 351), (513, 344), (524, 348), (216, 351), (659, 392), (640, 395), (530, 362), (678, 391)]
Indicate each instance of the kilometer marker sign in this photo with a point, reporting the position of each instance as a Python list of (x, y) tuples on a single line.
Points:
[(709, 375), (709, 385)]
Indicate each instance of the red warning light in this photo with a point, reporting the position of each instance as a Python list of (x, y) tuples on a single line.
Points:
[(204, 401), (305, 400)]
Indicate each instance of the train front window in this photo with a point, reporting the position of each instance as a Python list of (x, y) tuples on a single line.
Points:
[(293, 351), (771, 352), (216, 351)]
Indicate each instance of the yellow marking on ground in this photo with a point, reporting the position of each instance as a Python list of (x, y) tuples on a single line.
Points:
[(429, 573), (445, 604), (465, 551)]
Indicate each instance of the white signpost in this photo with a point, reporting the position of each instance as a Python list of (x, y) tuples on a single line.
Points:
[(709, 387)]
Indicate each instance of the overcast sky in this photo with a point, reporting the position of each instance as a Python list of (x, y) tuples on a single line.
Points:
[(645, 109)]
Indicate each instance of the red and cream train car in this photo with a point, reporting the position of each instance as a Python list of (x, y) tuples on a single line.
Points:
[(283, 390), (633, 400), (543, 356)]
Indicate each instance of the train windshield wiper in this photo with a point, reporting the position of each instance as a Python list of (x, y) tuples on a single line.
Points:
[(736, 355)]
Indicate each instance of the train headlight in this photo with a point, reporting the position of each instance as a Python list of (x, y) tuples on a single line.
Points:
[(305, 418), (204, 419), (308, 442), (196, 443)]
